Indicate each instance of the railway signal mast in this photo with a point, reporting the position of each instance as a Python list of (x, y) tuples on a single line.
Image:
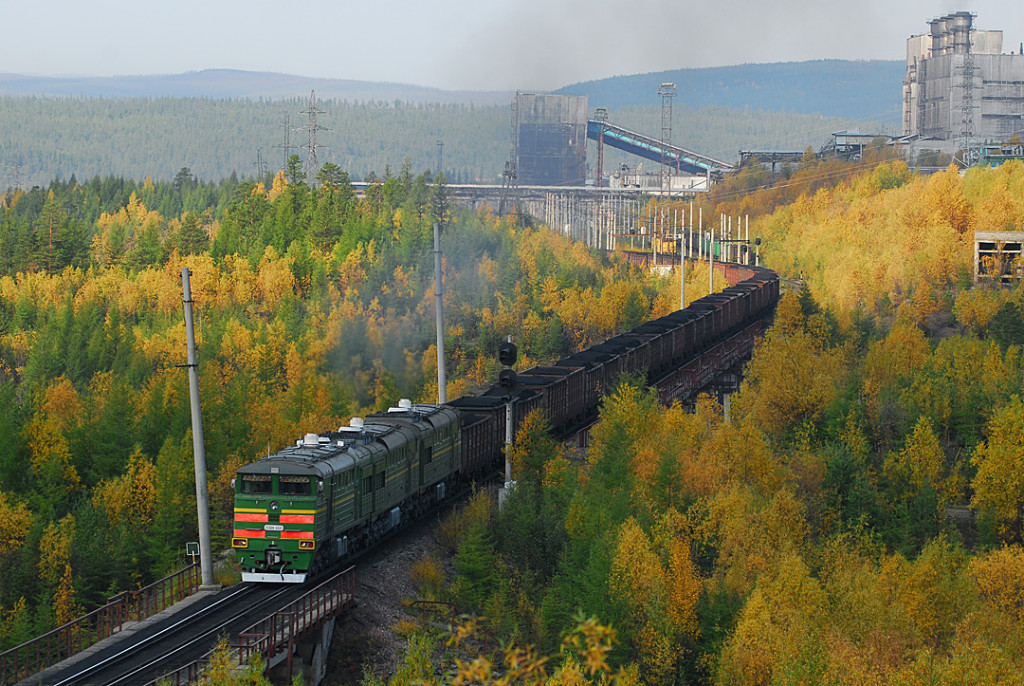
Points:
[(507, 355)]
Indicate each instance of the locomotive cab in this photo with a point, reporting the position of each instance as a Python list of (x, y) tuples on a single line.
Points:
[(274, 530)]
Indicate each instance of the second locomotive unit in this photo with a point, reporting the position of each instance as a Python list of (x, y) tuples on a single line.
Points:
[(312, 503)]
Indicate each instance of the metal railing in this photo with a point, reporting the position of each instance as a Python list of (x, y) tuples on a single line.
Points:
[(54, 646), (160, 595), (276, 633)]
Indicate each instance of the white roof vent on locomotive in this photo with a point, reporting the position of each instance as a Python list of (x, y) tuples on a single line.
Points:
[(354, 425), (404, 405), (312, 440)]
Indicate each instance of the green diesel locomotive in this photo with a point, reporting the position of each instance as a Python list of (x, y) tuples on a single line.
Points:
[(303, 508)]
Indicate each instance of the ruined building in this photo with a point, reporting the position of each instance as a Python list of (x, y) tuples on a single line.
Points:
[(549, 138)]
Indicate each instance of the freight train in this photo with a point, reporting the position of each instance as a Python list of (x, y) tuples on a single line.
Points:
[(302, 509)]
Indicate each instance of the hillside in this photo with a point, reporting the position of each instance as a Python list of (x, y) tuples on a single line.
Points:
[(236, 83), (843, 88)]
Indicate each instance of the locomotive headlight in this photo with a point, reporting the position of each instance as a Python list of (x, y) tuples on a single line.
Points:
[(275, 506), (306, 545), (239, 542)]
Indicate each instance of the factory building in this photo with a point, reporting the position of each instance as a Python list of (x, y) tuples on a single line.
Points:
[(550, 139), (960, 87)]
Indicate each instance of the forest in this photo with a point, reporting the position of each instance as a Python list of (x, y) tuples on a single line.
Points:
[(134, 138), (312, 305), (855, 516)]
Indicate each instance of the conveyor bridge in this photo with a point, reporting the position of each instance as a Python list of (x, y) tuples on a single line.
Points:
[(680, 159)]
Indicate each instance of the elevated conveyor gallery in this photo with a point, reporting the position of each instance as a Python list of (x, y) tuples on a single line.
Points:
[(682, 160)]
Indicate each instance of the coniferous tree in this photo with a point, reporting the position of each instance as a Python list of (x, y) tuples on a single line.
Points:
[(192, 237)]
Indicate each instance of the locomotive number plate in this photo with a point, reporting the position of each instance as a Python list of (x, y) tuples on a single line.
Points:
[(273, 527)]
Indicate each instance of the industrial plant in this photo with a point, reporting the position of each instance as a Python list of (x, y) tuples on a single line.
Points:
[(961, 91)]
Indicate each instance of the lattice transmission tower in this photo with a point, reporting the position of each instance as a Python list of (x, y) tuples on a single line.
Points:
[(287, 146), (962, 40), (312, 164), (509, 177), (667, 91)]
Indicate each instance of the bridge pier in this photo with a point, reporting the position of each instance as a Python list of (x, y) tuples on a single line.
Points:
[(307, 658)]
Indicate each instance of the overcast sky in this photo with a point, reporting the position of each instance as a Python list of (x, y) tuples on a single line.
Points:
[(464, 44)]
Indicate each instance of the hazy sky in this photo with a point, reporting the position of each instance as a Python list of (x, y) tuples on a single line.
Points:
[(464, 44)]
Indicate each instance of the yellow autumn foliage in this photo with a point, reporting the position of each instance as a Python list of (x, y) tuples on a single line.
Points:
[(131, 497), (862, 247), (999, 576), (18, 519), (50, 456), (65, 608), (775, 624), (999, 482), (55, 549), (752, 533), (793, 376), (918, 465)]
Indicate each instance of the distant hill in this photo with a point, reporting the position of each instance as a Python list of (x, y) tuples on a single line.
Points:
[(868, 90), (842, 88), (234, 83)]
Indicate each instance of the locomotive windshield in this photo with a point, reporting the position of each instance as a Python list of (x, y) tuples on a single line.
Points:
[(294, 485), (256, 484)]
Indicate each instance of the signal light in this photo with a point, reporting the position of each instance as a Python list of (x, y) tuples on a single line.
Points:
[(239, 542), (507, 379), (507, 353), (306, 545)]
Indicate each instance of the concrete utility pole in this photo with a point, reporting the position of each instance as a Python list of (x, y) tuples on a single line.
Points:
[(198, 450), (682, 270), (442, 382), (746, 237)]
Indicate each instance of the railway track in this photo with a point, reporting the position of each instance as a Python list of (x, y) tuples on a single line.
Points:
[(164, 645), (143, 654)]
